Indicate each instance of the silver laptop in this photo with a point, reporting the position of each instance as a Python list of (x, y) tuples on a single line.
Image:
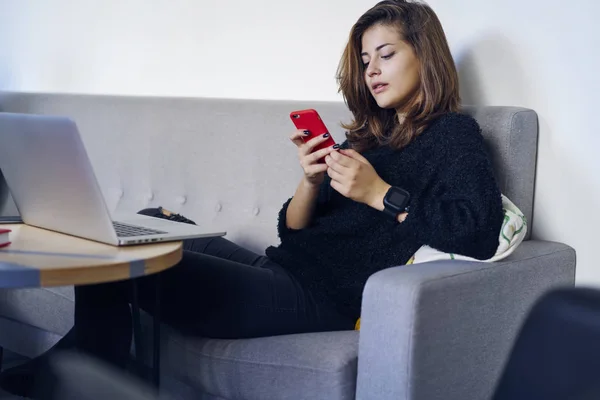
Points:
[(54, 187)]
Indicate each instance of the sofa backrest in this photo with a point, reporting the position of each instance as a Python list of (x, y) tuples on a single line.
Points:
[(228, 164), (511, 135)]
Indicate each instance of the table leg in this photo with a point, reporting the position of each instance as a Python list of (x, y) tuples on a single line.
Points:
[(156, 335), (137, 327), (137, 331)]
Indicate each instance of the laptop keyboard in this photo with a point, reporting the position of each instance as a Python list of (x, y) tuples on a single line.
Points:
[(127, 230)]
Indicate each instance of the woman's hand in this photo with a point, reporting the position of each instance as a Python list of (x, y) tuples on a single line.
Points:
[(314, 172), (354, 177)]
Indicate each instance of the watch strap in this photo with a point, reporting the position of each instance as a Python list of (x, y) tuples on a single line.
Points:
[(393, 214)]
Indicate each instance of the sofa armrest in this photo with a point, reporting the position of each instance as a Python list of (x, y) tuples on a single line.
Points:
[(443, 330)]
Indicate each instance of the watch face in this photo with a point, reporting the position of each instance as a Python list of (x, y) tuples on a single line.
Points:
[(397, 198)]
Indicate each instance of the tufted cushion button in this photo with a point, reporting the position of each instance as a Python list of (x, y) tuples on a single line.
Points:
[(120, 193), (256, 211), (150, 196), (219, 207), (181, 200)]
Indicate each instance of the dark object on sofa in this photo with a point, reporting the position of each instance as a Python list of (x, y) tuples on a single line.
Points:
[(557, 353)]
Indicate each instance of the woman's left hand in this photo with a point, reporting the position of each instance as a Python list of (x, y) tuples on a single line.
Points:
[(354, 177)]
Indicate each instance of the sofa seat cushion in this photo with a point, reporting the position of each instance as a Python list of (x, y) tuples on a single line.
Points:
[(308, 366)]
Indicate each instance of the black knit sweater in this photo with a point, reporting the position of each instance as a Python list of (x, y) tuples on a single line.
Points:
[(455, 207)]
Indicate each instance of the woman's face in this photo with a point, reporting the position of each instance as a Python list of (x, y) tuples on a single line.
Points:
[(391, 67)]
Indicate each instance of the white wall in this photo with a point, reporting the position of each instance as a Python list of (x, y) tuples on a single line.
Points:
[(239, 49), (542, 55)]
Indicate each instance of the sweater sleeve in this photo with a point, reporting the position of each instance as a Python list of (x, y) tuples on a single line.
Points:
[(320, 207), (460, 209)]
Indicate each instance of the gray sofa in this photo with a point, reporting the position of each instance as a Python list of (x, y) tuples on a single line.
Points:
[(439, 330)]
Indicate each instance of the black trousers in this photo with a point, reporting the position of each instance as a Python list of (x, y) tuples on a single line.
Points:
[(218, 290)]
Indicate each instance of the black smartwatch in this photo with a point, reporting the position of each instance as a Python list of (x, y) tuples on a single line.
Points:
[(395, 202)]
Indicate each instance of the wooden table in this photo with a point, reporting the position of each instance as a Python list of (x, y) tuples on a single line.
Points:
[(42, 258)]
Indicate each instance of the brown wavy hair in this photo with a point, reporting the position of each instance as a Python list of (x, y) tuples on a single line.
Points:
[(438, 93)]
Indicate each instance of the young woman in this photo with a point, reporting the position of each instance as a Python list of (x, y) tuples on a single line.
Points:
[(399, 81)]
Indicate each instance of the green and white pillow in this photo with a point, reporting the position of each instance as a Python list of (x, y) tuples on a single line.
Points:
[(512, 234)]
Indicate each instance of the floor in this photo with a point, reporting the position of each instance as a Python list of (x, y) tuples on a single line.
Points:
[(11, 359), (6, 396)]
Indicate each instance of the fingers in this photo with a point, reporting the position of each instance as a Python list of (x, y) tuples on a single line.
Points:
[(338, 161), (402, 217), (338, 187), (319, 154), (297, 137), (334, 175), (315, 169), (351, 153), (314, 142)]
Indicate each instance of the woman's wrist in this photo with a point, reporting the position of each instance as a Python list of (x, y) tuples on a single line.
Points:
[(376, 200), (379, 192), (310, 186)]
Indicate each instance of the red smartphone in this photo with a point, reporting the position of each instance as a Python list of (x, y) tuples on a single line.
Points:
[(311, 121)]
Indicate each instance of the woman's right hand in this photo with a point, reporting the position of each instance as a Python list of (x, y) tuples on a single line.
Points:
[(314, 172)]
